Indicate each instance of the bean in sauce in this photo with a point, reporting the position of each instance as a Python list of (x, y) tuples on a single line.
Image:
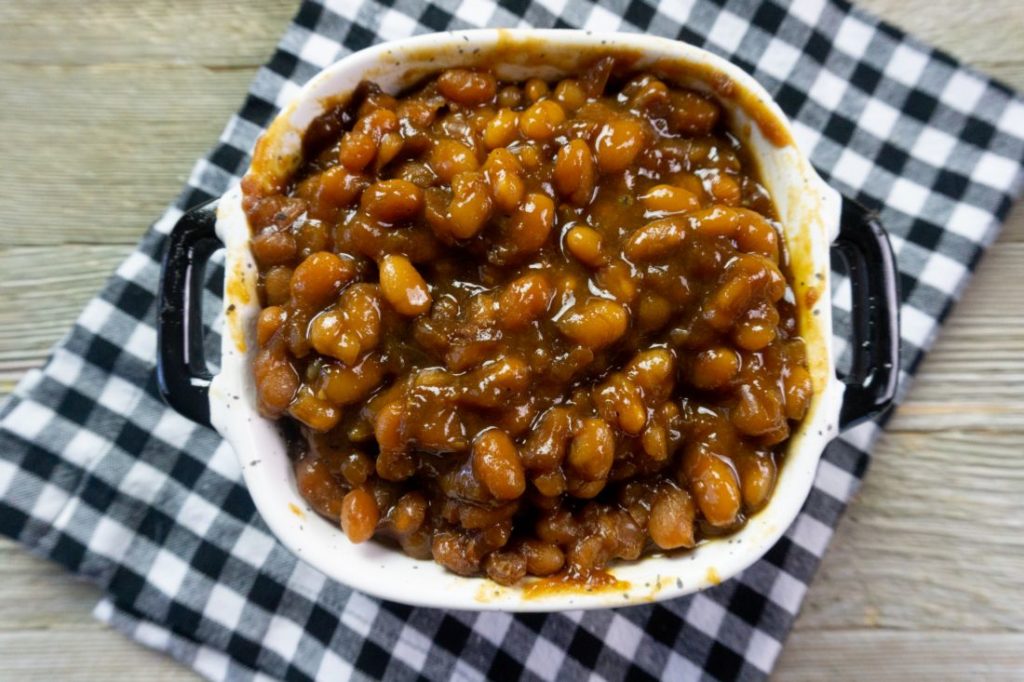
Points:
[(528, 329)]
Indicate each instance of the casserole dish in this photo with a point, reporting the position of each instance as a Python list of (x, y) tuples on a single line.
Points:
[(817, 222)]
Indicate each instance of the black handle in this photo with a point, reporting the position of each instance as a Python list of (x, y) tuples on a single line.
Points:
[(875, 309), (181, 364)]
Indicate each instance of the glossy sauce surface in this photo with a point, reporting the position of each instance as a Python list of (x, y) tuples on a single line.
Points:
[(528, 328)]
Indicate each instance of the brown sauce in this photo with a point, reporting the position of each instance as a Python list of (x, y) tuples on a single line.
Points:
[(528, 328)]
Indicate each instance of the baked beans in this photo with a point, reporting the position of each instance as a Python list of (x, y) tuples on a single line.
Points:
[(528, 329)]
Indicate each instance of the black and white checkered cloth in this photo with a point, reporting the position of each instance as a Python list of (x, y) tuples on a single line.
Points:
[(98, 475)]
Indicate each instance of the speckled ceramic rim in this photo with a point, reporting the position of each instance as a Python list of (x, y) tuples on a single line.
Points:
[(807, 207)]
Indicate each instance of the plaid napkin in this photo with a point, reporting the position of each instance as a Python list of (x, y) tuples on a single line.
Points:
[(98, 475)]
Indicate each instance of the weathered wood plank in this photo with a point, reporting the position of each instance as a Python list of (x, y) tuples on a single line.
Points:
[(898, 656), (210, 34), (85, 654), (93, 155), (39, 595), (935, 539), (44, 290)]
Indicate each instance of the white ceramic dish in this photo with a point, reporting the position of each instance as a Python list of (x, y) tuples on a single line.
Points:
[(807, 207)]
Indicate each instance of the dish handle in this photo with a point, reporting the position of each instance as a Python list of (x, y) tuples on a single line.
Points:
[(871, 383), (182, 375)]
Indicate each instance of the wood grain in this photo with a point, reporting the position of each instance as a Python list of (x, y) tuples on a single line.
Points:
[(103, 109)]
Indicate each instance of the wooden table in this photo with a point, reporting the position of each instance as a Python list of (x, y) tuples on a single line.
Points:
[(105, 105)]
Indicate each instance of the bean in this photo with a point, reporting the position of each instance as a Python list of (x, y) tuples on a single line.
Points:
[(693, 114), (798, 389), (471, 204), (269, 322), (318, 279), (356, 468), (574, 174), (757, 477), (529, 157), (729, 302), (359, 515), (654, 441), (318, 486), (350, 328), (652, 370), (357, 151), (585, 490), (391, 145), (586, 554), (653, 311), (448, 158), (274, 247), (671, 518), (592, 450), (505, 568), (761, 272), (545, 446), (346, 385), (663, 200), (277, 284), (392, 201), (338, 187), (757, 235), (525, 299), (556, 527), (496, 383), (534, 89), (389, 427), (751, 230), (714, 368), (618, 280), (416, 113), (377, 123), (759, 410), (541, 120), (497, 465), (570, 95), (618, 400), (542, 558), (503, 172), (713, 483), (311, 237), (754, 335), (466, 87), (530, 226), (276, 382), (403, 287), (456, 551), (584, 243), (501, 130), (648, 93), (550, 483), (315, 413), (408, 513), (510, 96), (618, 144), (595, 323), (656, 238), (725, 189), (475, 517)]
